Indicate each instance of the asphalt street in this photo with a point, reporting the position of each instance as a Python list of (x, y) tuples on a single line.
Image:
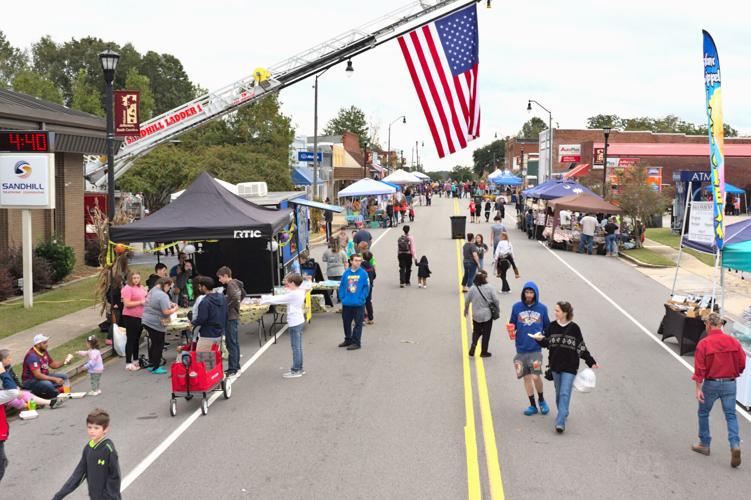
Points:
[(410, 415)]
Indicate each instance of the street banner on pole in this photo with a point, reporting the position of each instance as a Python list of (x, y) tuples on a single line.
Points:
[(126, 113), (716, 135)]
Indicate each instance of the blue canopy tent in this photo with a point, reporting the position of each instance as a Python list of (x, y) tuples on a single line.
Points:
[(561, 188), (530, 192), (302, 176), (506, 179), (395, 186), (730, 189)]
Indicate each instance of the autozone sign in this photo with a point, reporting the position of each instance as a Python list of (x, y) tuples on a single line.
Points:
[(248, 233)]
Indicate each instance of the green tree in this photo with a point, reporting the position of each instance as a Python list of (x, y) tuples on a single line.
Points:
[(667, 124), (170, 84), (350, 119), (240, 163), (462, 174), (136, 81), (85, 98), (638, 199), (487, 158), (602, 121), (31, 83), (532, 128), (12, 61)]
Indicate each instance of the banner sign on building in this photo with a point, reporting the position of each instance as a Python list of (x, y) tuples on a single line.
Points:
[(716, 134), (569, 153), (27, 181), (654, 177), (126, 113), (701, 222)]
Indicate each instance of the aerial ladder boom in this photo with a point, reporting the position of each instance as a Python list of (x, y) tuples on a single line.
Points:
[(215, 105)]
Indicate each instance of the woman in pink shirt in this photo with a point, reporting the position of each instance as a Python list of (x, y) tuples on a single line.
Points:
[(134, 297)]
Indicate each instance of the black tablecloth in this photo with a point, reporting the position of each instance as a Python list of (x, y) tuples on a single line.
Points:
[(688, 331)]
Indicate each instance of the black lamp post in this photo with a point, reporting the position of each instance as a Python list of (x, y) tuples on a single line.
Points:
[(109, 59), (404, 120), (606, 133)]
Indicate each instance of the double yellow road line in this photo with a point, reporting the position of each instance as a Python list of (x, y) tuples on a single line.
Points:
[(474, 489)]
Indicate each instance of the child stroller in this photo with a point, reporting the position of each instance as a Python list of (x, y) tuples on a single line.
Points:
[(198, 373)]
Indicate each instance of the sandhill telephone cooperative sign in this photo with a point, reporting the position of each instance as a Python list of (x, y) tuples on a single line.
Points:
[(27, 180)]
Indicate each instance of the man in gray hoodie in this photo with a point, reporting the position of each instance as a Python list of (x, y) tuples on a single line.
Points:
[(234, 296)]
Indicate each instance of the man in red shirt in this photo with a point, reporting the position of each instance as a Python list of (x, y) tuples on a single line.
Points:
[(718, 361)]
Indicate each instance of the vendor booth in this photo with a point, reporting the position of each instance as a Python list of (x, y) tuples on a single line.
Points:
[(733, 191), (364, 192), (564, 233), (227, 230), (401, 177)]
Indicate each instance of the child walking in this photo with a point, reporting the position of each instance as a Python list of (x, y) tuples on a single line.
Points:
[(95, 365), (488, 206), (423, 272), (99, 465), (411, 213), (294, 299)]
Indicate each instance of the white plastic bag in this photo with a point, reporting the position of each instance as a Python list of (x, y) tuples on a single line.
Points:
[(118, 339), (585, 380)]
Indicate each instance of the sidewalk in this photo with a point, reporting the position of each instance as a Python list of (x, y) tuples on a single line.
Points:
[(59, 330), (695, 277)]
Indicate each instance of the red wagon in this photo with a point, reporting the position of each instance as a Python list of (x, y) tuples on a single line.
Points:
[(197, 374)]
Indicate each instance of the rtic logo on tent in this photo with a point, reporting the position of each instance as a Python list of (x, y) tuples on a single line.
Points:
[(248, 233)]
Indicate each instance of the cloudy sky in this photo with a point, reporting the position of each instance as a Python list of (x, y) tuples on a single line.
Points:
[(578, 58)]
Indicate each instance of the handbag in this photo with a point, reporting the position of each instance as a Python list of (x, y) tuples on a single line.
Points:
[(495, 312)]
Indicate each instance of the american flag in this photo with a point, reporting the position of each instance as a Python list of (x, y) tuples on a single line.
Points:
[(442, 58)]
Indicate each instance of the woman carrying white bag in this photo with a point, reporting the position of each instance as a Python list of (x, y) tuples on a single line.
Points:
[(565, 345)]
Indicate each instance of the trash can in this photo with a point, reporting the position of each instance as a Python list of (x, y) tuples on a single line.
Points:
[(458, 227)]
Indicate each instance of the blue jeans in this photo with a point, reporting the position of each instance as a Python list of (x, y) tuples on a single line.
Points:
[(233, 345), (44, 388), (563, 381), (350, 314), (295, 340), (470, 269), (610, 243), (588, 240), (725, 392)]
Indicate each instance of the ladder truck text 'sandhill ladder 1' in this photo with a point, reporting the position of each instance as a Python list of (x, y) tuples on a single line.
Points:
[(217, 104)]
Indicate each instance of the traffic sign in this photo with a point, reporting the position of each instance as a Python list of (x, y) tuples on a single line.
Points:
[(308, 156)]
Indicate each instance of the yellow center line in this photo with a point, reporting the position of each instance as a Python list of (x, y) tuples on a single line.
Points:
[(491, 449)]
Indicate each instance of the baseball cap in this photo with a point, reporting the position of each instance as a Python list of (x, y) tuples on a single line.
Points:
[(40, 338)]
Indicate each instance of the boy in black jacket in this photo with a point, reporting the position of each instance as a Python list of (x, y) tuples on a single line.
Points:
[(99, 465)]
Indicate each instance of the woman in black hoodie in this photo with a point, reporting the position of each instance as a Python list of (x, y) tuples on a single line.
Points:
[(565, 345)]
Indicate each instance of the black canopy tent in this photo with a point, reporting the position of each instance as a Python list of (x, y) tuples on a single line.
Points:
[(207, 211)]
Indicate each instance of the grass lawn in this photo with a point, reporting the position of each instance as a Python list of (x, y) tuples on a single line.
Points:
[(48, 306), (666, 237), (649, 257)]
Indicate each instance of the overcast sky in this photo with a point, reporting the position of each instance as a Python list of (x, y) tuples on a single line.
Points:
[(578, 58)]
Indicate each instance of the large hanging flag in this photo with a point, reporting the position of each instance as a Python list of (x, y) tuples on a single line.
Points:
[(442, 59), (716, 135)]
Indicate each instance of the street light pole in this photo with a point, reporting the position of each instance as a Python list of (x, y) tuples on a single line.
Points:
[(365, 160), (404, 120), (606, 133), (108, 59), (550, 134)]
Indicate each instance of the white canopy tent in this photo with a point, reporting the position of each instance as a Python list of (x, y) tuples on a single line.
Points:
[(402, 177), (366, 187), (421, 175), (496, 173), (232, 188)]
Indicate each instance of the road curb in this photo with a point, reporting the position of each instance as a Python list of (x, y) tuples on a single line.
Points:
[(633, 260)]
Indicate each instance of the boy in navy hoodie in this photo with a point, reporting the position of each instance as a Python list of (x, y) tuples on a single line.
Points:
[(353, 292), (530, 316)]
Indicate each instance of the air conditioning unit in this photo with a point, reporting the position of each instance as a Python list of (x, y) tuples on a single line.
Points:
[(252, 189)]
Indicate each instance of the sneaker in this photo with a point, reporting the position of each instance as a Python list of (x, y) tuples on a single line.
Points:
[(369, 322), (150, 368), (92, 393), (230, 373), (559, 430), (485, 355), (700, 448), (401, 285), (159, 371), (98, 392), (735, 457), (544, 408), (56, 403), (108, 342), (345, 344), (531, 410), (291, 374), (353, 347)]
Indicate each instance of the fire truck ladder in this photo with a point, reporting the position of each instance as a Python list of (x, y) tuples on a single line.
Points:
[(230, 98)]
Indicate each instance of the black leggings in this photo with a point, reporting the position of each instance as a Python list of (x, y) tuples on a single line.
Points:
[(369, 304), (156, 346), (503, 266), (133, 330), (481, 330)]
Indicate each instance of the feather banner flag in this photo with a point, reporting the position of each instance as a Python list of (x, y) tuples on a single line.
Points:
[(716, 135)]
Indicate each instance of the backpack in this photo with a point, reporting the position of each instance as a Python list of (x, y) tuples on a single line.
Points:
[(403, 244)]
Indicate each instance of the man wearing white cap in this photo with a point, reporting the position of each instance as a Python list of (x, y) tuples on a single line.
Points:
[(36, 375)]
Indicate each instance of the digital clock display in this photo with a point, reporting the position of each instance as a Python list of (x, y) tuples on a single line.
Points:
[(25, 141)]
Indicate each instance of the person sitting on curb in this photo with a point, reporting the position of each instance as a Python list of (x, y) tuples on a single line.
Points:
[(8, 392), (22, 401), (36, 376)]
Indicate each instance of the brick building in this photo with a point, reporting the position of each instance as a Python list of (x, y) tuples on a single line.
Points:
[(518, 150), (76, 134), (672, 152)]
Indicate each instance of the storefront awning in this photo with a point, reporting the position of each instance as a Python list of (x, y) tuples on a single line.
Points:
[(578, 171), (317, 204), (302, 176)]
